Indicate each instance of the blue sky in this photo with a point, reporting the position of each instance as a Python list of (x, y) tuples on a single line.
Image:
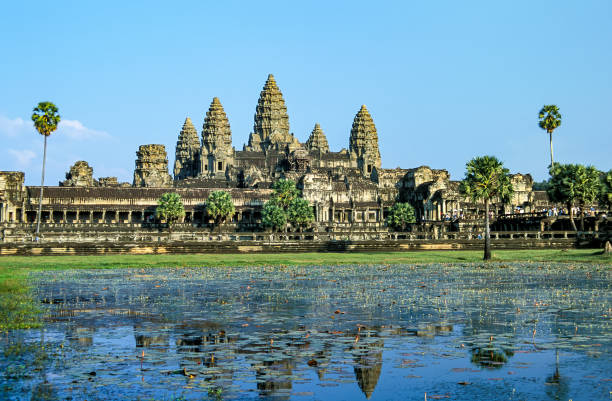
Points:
[(444, 81)]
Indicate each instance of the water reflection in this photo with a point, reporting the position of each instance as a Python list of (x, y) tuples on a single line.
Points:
[(368, 365), (273, 333), (79, 336)]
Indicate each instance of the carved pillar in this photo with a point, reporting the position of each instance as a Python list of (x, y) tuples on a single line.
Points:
[(103, 215), (116, 216), (91, 216), (64, 218), (78, 214)]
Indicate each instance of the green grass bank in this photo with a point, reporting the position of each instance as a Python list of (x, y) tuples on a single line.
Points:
[(261, 259)]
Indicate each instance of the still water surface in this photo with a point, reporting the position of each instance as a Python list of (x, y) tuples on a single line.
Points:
[(455, 332)]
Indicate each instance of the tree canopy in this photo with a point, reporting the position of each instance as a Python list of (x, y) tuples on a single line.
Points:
[(549, 119), (300, 213), (285, 192), (220, 206), (605, 194), (287, 205), (170, 208), (273, 216), (487, 179), (46, 118), (400, 215), (574, 185)]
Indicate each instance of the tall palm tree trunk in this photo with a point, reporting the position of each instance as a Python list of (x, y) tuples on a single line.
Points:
[(487, 247), (551, 148), (42, 186)]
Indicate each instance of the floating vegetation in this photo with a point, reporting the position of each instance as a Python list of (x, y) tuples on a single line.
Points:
[(537, 331)]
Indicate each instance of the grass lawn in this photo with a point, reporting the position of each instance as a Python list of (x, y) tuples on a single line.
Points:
[(254, 259), (18, 310)]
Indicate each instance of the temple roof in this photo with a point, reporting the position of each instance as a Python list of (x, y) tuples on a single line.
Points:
[(117, 194), (271, 118), (216, 132), (317, 140), (188, 138), (364, 138)]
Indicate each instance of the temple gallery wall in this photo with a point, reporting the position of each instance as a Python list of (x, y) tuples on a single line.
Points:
[(347, 189)]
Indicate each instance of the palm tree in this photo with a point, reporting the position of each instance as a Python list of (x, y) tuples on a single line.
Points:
[(46, 119), (550, 119), (486, 178)]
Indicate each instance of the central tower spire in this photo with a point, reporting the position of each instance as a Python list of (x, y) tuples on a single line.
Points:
[(271, 125), (363, 143)]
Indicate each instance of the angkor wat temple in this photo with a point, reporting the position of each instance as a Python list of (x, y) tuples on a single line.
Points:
[(347, 188)]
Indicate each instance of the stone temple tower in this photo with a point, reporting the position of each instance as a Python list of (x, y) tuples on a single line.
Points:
[(187, 152), (217, 153), (152, 167), (271, 128), (317, 140), (363, 143)]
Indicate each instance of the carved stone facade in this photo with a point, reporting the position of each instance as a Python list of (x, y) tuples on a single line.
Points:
[(317, 141), (347, 188), (187, 151), (152, 167), (12, 196), (80, 175), (363, 143), (271, 128), (217, 153)]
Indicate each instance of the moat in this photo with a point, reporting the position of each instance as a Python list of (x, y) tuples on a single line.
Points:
[(516, 331)]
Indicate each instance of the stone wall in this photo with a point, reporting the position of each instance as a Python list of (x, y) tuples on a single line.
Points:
[(262, 245)]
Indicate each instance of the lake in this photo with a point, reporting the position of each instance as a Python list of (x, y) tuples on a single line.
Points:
[(513, 331)]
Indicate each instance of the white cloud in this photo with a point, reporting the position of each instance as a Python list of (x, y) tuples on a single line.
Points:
[(76, 130), (13, 127), (23, 157), (73, 129)]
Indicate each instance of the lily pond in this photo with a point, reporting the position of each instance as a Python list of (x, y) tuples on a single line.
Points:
[(518, 331)]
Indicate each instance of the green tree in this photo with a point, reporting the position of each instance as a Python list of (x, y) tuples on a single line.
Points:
[(285, 192), (540, 186), (170, 208), (220, 206), (574, 185), (400, 215), (273, 216), (487, 179), (605, 194), (300, 213), (46, 119), (549, 120)]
